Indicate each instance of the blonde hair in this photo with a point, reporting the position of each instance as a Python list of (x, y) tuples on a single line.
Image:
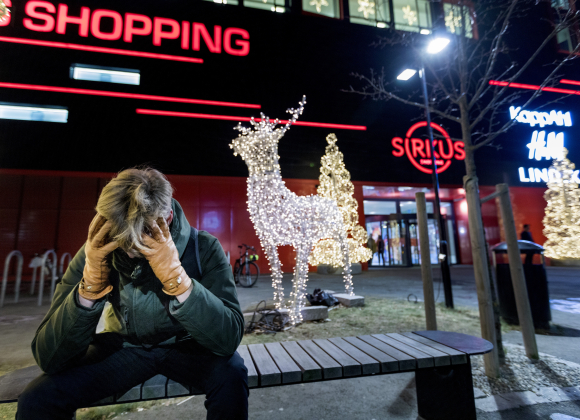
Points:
[(132, 201)]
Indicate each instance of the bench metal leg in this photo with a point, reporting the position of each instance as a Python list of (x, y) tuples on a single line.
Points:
[(445, 393)]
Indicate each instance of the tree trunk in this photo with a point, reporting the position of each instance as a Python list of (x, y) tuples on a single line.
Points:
[(478, 248)]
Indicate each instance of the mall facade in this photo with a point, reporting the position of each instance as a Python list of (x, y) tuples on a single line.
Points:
[(89, 88)]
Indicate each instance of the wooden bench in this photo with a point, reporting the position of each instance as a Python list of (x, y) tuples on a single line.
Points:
[(440, 360)]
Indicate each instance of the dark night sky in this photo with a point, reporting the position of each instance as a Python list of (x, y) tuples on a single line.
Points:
[(290, 55)]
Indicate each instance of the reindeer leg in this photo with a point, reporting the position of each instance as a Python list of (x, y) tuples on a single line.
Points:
[(276, 269), (300, 280)]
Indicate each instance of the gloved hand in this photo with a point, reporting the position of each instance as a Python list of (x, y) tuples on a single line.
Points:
[(163, 258), (95, 282)]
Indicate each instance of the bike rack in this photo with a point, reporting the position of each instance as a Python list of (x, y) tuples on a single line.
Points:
[(18, 276), (61, 266), (48, 253)]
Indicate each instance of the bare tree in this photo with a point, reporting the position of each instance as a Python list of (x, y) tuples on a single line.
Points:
[(461, 94)]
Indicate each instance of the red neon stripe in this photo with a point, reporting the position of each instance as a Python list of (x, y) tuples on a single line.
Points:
[(234, 118), (100, 49), (570, 82), (535, 87), (124, 95)]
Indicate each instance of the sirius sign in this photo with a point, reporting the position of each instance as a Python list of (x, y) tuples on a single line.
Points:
[(544, 145), (418, 150)]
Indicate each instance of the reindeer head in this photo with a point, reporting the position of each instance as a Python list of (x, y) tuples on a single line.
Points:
[(258, 144)]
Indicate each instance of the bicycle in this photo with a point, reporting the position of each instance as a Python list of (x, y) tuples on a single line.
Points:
[(246, 271)]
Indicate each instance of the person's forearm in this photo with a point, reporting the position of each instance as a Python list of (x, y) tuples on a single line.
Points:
[(87, 303)]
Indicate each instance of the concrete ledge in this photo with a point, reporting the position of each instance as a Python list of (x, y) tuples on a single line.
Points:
[(249, 317), (350, 301), (355, 268), (311, 313)]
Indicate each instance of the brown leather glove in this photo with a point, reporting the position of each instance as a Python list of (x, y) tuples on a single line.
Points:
[(95, 282), (163, 258)]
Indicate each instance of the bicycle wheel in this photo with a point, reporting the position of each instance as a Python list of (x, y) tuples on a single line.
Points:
[(249, 273), (237, 271)]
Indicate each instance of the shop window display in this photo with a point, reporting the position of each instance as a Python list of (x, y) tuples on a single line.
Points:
[(412, 15), (329, 8), (370, 12)]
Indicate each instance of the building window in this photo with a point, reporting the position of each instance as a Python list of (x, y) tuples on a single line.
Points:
[(412, 15), (234, 2), (271, 5), (370, 12), (455, 15), (328, 8), (565, 38)]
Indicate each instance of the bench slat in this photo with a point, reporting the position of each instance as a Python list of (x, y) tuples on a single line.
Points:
[(290, 371), (423, 359), (368, 364), (252, 374), (350, 367), (311, 371), (457, 357), (269, 372), (406, 362), (387, 363), (462, 342), (439, 358), (330, 368)]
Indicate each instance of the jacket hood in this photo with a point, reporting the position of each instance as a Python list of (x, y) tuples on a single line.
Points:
[(180, 228)]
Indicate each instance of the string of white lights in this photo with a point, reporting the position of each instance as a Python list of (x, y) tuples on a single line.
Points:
[(280, 217)]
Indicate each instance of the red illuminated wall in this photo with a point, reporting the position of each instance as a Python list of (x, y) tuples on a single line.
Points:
[(43, 210)]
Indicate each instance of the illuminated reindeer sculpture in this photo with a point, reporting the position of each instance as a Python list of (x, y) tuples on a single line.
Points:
[(280, 217)]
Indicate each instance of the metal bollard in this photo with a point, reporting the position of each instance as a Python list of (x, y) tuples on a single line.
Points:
[(18, 276), (61, 266), (48, 253)]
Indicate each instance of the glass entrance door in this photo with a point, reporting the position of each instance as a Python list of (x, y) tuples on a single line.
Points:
[(415, 244)]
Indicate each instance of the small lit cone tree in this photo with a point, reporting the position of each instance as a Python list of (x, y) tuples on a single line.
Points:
[(562, 219), (4, 12), (335, 184)]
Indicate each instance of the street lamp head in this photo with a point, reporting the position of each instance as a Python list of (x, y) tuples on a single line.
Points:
[(436, 45), (406, 74)]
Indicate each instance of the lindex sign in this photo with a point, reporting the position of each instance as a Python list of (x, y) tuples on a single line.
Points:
[(415, 146)]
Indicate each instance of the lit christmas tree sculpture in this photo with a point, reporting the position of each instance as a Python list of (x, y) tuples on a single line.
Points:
[(4, 12), (335, 184), (562, 219), (281, 217)]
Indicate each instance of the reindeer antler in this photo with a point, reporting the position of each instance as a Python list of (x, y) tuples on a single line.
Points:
[(296, 112)]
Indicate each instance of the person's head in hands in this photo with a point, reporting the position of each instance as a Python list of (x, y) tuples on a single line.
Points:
[(132, 202)]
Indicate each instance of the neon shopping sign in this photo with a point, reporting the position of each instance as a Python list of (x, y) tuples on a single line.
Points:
[(110, 25)]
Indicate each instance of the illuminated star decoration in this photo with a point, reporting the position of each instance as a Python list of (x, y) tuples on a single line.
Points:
[(319, 4), (4, 12), (335, 184), (562, 216), (366, 7), (281, 217), (409, 15), (452, 22)]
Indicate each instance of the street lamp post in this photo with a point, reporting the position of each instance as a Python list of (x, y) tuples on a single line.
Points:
[(435, 46)]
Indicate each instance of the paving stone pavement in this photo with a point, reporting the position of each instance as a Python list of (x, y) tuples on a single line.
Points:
[(382, 397)]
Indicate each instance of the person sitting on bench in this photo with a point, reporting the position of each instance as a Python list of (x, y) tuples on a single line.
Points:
[(173, 309)]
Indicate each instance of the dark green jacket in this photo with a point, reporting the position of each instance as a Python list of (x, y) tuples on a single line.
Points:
[(140, 310)]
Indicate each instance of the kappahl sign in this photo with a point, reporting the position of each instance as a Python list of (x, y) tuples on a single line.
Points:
[(418, 150)]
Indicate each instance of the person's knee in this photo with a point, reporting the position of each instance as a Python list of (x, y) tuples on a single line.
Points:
[(231, 373)]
